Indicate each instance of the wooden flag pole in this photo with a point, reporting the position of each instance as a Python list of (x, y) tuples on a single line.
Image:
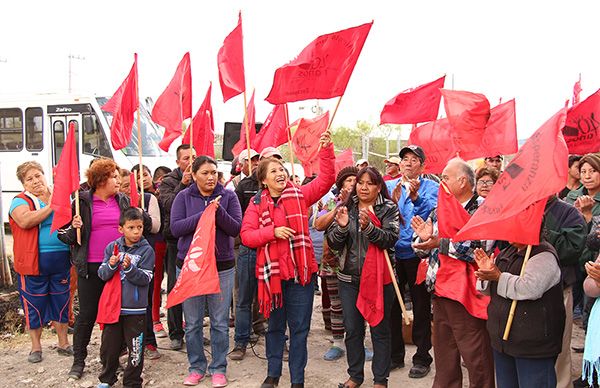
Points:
[(334, 112), (247, 133), (77, 214), (139, 135), (289, 136), (513, 306)]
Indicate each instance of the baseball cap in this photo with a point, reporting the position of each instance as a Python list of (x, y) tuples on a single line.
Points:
[(268, 152), (415, 149), (244, 155), (393, 159), (361, 161)]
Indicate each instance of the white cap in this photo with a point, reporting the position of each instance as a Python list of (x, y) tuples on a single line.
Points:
[(269, 152), (244, 154), (361, 161)]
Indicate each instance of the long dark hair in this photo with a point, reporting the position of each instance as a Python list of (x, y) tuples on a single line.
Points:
[(376, 178)]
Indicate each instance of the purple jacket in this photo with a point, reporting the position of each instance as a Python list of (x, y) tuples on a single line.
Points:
[(187, 208)]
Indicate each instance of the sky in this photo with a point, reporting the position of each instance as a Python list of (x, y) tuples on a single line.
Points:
[(533, 51)]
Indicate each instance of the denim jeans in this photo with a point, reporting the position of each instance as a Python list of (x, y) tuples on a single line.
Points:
[(247, 288), (218, 310), (174, 314), (381, 335), (295, 313), (515, 372)]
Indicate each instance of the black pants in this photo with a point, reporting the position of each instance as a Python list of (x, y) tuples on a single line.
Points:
[(355, 335), (421, 302), (130, 331), (149, 337), (175, 313), (89, 290)]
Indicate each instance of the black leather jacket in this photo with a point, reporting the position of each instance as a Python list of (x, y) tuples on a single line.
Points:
[(353, 242)]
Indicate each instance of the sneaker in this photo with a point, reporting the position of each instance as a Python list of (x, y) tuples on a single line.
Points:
[(35, 357), (193, 379), (418, 371), (368, 354), (159, 330), (238, 353), (334, 353), (218, 380), (176, 344), (151, 353)]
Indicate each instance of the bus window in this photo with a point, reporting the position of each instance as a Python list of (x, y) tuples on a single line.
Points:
[(58, 131), (11, 129), (33, 129), (94, 140)]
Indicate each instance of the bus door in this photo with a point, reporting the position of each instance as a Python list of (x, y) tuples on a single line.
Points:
[(59, 125)]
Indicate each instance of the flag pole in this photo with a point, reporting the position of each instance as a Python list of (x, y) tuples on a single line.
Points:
[(247, 133), (139, 135), (334, 112), (513, 306), (289, 136), (77, 213)]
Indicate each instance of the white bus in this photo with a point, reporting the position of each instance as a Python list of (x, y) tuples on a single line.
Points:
[(34, 127)]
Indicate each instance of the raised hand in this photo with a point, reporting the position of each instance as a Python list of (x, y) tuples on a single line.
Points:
[(363, 218), (325, 139), (423, 229), (341, 217), (482, 259)]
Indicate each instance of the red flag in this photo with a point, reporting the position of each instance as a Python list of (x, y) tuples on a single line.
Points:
[(322, 70), (436, 140), (66, 181), (468, 114), (175, 104), (109, 304), (230, 61), (418, 105), (344, 159), (199, 271), (242, 144), (306, 141), (204, 128), (134, 196), (513, 210), (123, 105), (576, 92), (581, 131), (374, 276), (500, 135), (455, 279), (274, 131)]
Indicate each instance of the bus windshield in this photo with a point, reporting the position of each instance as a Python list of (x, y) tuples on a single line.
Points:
[(151, 134)]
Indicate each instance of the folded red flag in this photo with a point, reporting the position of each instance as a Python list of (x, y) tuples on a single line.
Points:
[(418, 105), (514, 208), (175, 104), (581, 129), (199, 274), (109, 305), (123, 105), (322, 70), (242, 144), (66, 181), (374, 276), (230, 61), (203, 126)]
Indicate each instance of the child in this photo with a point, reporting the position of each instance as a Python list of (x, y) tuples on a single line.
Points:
[(132, 259)]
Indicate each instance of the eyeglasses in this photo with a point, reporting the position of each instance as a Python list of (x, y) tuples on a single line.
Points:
[(485, 183)]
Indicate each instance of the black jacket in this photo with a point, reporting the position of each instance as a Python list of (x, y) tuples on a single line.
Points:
[(68, 234), (169, 187), (246, 189), (353, 242)]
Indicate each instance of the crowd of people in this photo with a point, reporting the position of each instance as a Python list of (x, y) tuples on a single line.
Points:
[(279, 242)]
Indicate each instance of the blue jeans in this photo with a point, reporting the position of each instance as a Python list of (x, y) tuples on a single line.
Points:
[(247, 288), (218, 310), (295, 313), (515, 372)]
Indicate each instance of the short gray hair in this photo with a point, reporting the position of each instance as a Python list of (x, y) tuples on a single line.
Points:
[(24, 168), (465, 170)]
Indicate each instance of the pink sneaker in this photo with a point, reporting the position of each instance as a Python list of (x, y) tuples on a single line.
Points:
[(219, 380), (193, 379)]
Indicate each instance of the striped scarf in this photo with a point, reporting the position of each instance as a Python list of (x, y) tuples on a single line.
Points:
[(269, 276)]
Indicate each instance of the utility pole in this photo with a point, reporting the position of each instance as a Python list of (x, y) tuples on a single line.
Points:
[(71, 57)]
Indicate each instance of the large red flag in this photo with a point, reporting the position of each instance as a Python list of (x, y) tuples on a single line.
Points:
[(175, 104), (203, 126), (66, 181), (436, 140), (582, 129), (199, 274), (242, 144), (322, 70), (468, 114), (500, 135), (230, 61), (123, 105), (455, 279), (344, 159), (306, 141), (513, 210), (418, 105), (274, 131)]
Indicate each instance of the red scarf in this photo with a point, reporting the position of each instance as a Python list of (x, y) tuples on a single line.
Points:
[(109, 305), (269, 276), (374, 276)]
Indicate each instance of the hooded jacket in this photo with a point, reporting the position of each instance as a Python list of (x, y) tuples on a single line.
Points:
[(588, 254)]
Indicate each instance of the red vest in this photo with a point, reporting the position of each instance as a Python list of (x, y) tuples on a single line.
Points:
[(25, 244)]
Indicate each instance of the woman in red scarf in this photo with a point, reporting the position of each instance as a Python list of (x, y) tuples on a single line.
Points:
[(276, 225), (366, 226)]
